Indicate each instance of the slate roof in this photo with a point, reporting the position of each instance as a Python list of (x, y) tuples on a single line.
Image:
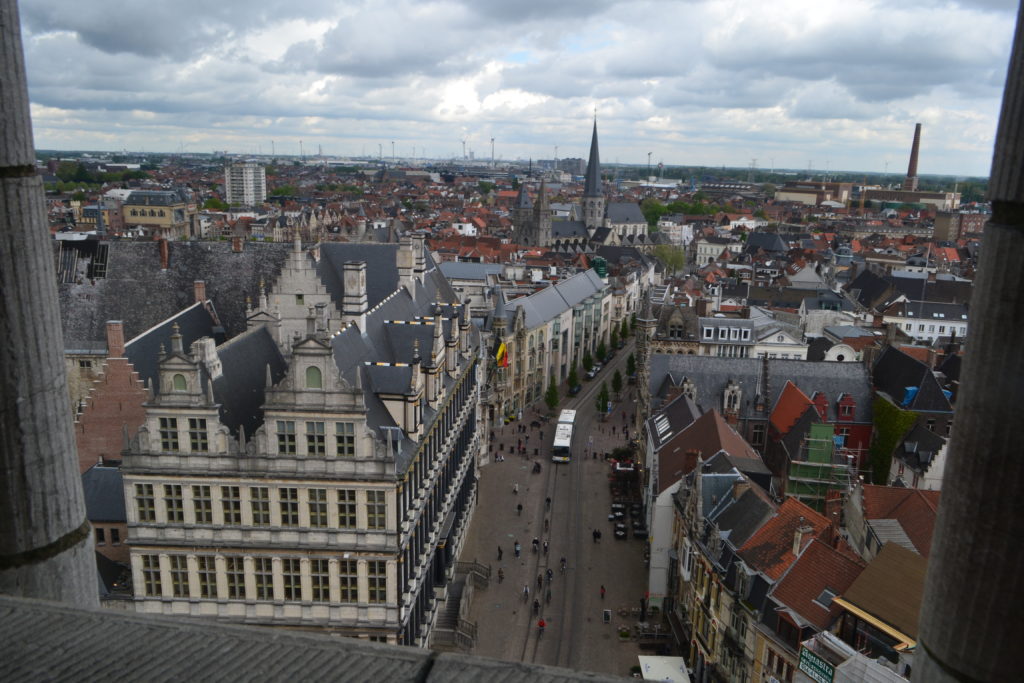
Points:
[(768, 241), (104, 494), (357, 353), (463, 270), (381, 269), (568, 229), (624, 212), (56, 642), (894, 371), (918, 288), (552, 301), (770, 549), (891, 588), (673, 418), (919, 447), (745, 515), (141, 295), (143, 351), (819, 567), (711, 375), (241, 388), (869, 289)]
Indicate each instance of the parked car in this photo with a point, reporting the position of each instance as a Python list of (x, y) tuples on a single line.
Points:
[(591, 373), (575, 390)]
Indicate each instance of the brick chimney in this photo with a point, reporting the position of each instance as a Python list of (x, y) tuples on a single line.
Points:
[(115, 339), (910, 183), (237, 243), (199, 291), (165, 254)]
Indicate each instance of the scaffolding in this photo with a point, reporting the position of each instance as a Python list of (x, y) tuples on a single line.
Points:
[(821, 465)]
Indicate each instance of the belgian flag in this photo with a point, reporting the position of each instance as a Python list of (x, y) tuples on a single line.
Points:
[(501, 355)]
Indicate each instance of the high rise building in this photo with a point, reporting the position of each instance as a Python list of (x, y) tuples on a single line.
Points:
[(245, 183)]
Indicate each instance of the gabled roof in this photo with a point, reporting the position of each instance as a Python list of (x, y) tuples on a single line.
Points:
[(241, 388), (104, 494), (820, 567), (624, 212), (916, 511), (706, 436), (194, 323), (891, 587), (895, 371), (790, 406), (770, 549)]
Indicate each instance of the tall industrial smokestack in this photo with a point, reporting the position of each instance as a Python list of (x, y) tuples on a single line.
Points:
[(910, 184)]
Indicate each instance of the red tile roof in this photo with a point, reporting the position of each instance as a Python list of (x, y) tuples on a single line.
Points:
[(914, 509), (790, 407), (770, 549), (819, 566)]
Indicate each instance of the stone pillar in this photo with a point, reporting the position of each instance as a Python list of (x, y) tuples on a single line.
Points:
[(971, 621), (46, 545)]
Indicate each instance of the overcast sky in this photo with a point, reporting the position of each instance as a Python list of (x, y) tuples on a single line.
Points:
[(834, 84)]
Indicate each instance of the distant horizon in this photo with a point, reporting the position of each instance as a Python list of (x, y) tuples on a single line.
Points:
[(498, 161)]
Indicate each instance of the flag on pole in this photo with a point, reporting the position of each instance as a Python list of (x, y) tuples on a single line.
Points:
[(502, 355)]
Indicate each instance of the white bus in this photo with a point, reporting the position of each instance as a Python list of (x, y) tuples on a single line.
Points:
[(561, 451)]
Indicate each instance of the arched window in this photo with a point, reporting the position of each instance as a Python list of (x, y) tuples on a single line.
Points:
[(314, 379), (179, 383)]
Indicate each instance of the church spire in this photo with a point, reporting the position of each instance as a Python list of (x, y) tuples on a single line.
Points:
[(592, 184)]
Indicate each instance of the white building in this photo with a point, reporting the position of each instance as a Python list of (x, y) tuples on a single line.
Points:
[(245, 183)]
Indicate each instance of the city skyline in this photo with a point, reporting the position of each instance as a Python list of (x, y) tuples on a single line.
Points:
[(831, 86)]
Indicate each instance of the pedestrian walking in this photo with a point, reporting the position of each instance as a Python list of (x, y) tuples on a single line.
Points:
[(547, 503), (526, 592), (542, 435), (563, 565), (545, 524), (602, 592), (540, 627), (595, 534), (501, 574), (545, 547), (550, 574), (547, 597), (517, 548), (536, 607), (519, 509), (515, 488), (536, 543), (613, 430), (540, 582), (499, 553)]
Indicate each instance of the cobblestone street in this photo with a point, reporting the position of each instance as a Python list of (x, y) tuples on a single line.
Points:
[(577, 635)]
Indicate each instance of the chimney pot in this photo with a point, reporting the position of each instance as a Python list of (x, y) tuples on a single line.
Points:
[(115, 339), (199, 290)]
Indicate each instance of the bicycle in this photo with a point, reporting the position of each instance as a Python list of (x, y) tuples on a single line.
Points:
[(540, 627)]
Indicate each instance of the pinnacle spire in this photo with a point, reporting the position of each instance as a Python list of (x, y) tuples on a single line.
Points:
[(592, 183)]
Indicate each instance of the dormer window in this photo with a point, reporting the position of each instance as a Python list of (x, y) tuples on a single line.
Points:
[(179, 383), (314, 378), (300, 299)]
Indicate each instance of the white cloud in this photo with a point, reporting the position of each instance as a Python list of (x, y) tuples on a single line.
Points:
[(714, 82)]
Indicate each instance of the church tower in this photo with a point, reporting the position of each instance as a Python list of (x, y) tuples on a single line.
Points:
[(522, 218), (593, 191), (542, 217)]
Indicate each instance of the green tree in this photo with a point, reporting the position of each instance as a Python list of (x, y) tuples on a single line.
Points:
[(574, 378), (551, 397), (215, 204), (631, 365), (617, 382), (602, 351), (615, 338), (601, 403), (588, 362), (652, 210), (485, 187), (624, 330), (284, 190), (673, 258)]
